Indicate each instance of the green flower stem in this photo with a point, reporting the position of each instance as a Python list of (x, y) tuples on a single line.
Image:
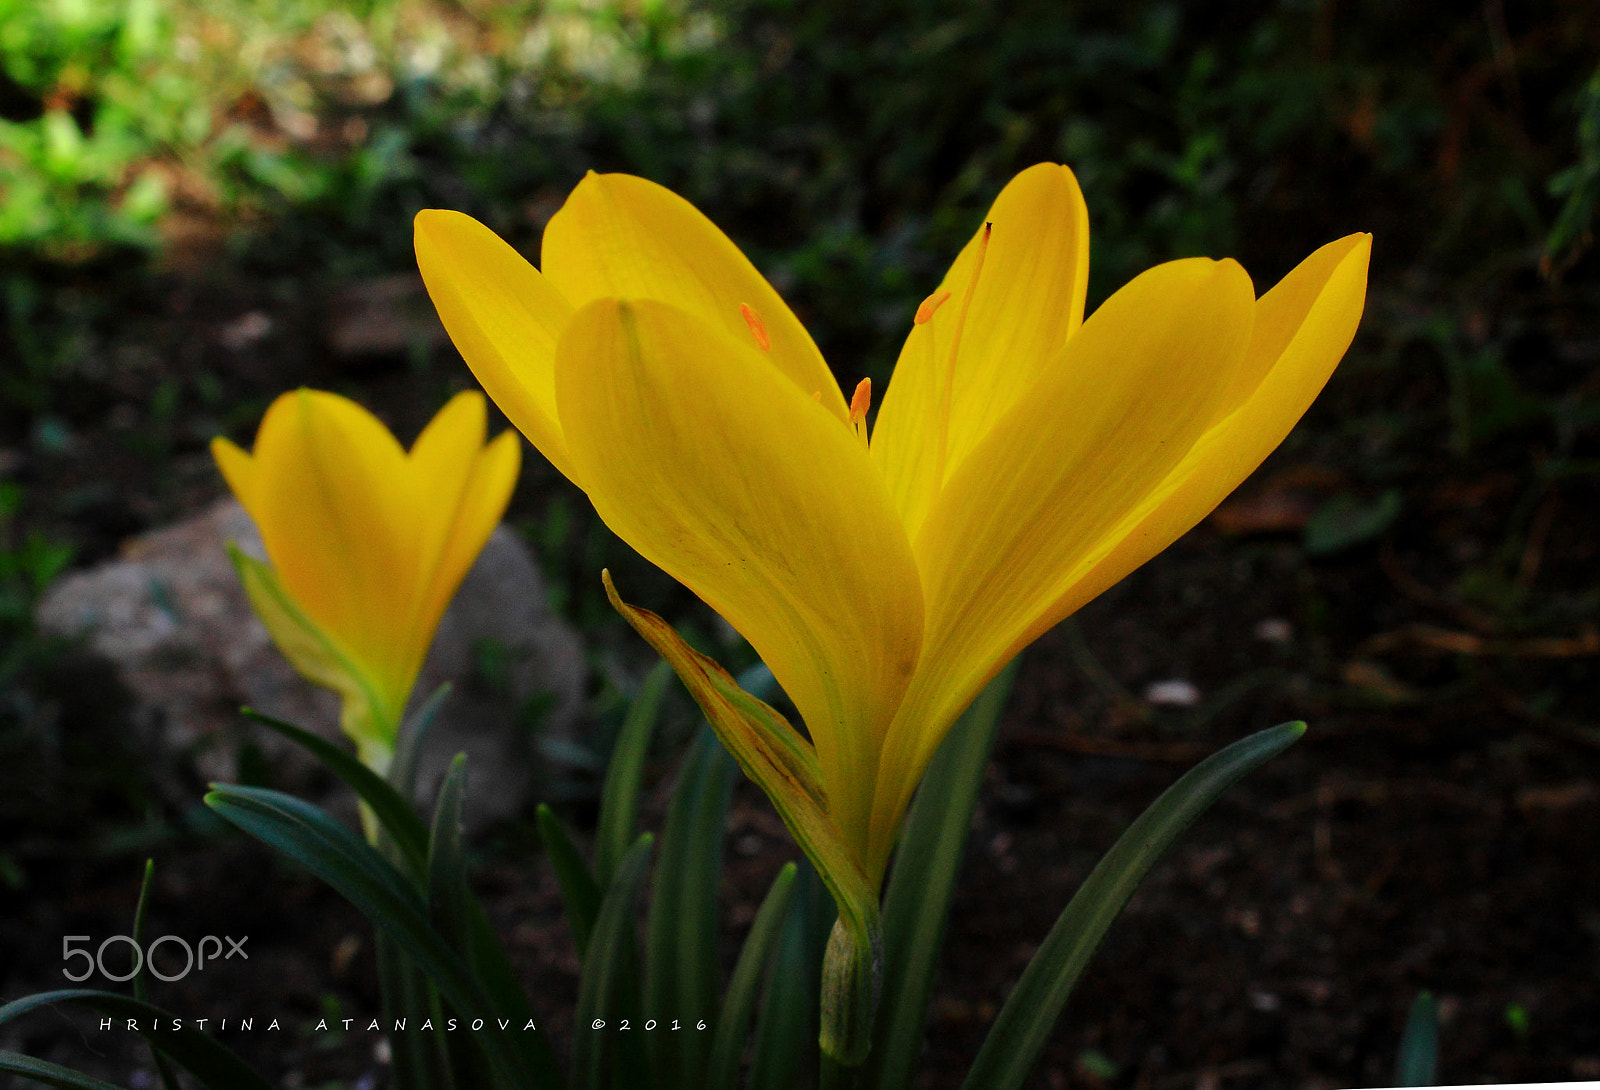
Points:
[(852, 980)]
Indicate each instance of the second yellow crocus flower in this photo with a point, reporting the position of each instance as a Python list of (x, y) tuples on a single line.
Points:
[(367, 542), (1023, 460)]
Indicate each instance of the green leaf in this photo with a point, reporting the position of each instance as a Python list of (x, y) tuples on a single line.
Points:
[(681, 947), (1418, 1061), (374, 886), (579, 893), (447, 908), (213, 1065), (447, 871), (393, 811), (917, 905), (738, 1004), (1024, 1023), (408, 742), (42, 1071), (619, 798), (608, 989), (168, 1080), (786, 1035)]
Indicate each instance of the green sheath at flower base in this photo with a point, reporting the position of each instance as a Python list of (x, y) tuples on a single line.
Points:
[(1023, 460), (366, 542)]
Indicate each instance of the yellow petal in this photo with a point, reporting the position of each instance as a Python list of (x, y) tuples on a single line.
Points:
[(1034, 503), (1025, 303), (1303, 327), (334, 499), (310, 651), (625, 237), (463, 488), (488, 488), (726, 475), (504, 318), (238, 469)]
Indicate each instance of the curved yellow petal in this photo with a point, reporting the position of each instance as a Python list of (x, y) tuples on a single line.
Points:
[(504, 318), (334, 499), (482, 502), (238, 469), (1302, 329), (1026, 301), (624, 237), (1034, 503), (723, 473)]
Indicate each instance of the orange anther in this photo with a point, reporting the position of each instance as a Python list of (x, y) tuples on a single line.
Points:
[(758, 328), (861, 401), (929, 305)]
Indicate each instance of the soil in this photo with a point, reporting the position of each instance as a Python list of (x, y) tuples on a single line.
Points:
[(1437, 829)]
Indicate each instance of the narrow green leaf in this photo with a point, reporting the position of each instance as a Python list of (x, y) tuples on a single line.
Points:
[(418, 1061), (787, 1032), (447, 909), (1025, 1022), (579, 893), (1418, 1062), (49, 1074), (140, 988), (738, 1004), (392, 810), (374, 886), (212, 1064), (917, 905), (681, 945), (408, 742), (447, 870), (608, 989), (619, 799)]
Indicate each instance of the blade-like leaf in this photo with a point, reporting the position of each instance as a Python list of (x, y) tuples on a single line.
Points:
[(447, 909), (447, 871), (49, 1074), (408, 742), (681, 951), (212, 1064), (1418, 1061), (917, 905), (579, 893), (169, 1081), (374, 886), (619, 799), (608, 989), (1024, 1023), (392, 810), (787, 1033), (738, 1004)]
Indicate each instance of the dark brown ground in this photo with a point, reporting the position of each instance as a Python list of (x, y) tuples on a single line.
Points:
[(1438, 828)]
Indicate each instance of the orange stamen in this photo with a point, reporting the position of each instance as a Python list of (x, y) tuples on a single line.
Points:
[(929, 305), (758, 328), (860, 402)]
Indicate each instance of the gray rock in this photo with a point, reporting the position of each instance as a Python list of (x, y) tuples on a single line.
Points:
[(173, 621)]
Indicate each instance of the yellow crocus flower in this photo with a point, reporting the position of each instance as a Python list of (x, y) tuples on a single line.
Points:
[(1023, 460), (367, 542)]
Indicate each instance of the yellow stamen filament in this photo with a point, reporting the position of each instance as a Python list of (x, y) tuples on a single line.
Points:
[(860, 402), (929, 305), (955, 346), (758, 328)]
